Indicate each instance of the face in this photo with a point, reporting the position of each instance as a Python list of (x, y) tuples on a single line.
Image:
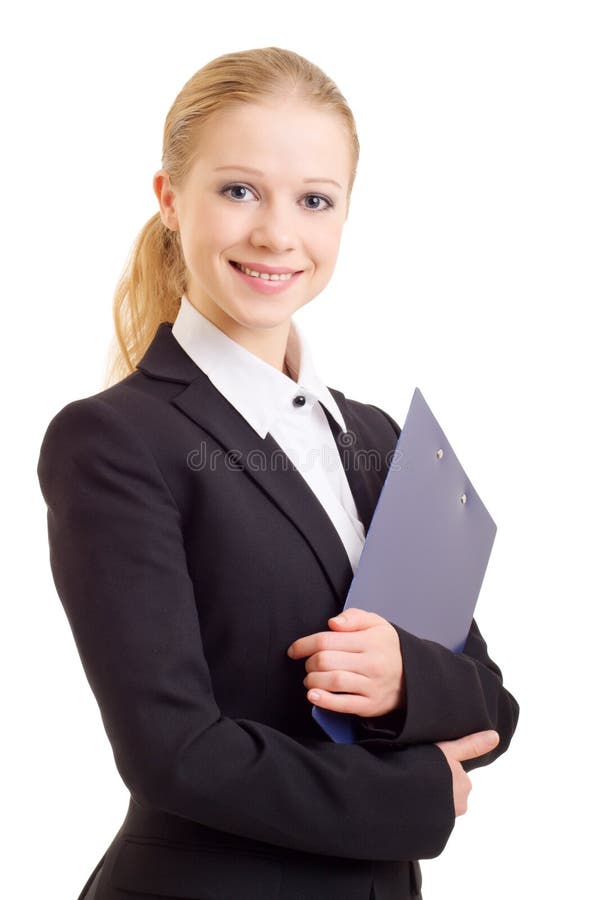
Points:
[(288, 213)]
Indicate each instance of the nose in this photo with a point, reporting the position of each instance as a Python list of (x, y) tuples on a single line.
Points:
[(273, 228)]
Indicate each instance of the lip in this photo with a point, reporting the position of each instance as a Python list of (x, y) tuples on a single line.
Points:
[(268, 270), (265, 286)]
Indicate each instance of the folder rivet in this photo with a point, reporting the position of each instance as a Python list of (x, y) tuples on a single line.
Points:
[(463, 498), (439, 453)]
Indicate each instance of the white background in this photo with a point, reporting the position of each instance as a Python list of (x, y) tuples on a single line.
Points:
[(469, 267)]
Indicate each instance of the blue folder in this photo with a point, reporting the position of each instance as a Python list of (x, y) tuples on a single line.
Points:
[(427, 548)]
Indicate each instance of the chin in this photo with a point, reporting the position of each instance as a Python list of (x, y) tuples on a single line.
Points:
[(267, 309), (263, 319)]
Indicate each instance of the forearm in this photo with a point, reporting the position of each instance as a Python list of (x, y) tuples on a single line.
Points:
[(448, 695)]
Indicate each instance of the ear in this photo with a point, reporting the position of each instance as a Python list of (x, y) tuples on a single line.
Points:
[(165, 194)]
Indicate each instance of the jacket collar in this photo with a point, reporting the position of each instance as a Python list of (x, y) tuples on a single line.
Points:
[(259, 392), (199, 399)]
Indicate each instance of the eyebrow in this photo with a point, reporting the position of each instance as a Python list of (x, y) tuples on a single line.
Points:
[(258, 172)]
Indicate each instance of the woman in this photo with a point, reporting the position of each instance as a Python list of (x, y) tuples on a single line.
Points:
[(200, 570)]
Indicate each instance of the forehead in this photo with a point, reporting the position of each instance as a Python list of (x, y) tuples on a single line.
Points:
[(277, 137)]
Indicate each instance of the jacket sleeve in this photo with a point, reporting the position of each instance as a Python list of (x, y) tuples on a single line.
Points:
[(448, 694), (119, 565)]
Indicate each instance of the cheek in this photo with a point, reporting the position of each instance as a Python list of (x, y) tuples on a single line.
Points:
[(200, 245), (208, 230), (326, 247), (221, 228)]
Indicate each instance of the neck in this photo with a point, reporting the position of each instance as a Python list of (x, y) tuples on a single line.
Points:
[(268, 344)]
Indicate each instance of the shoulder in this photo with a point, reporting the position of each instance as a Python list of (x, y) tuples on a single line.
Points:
[(367, 416), (77, 416), (96, 430), (92, 449), (121, 408), (385, 417)]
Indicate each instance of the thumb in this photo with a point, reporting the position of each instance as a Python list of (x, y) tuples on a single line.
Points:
[(473, 745)]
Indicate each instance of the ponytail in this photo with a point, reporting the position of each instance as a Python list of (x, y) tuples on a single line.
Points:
[(148, 292)]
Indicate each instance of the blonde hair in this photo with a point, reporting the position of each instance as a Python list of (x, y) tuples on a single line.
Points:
[(154, 278)]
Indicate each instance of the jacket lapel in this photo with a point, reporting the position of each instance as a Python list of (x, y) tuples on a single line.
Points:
[(270, 467), (354, 453)]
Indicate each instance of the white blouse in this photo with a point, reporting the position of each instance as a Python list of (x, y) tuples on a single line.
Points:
[(263, 396)]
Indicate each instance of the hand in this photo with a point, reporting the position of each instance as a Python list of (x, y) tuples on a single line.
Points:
[(467, 747), (356, 667)]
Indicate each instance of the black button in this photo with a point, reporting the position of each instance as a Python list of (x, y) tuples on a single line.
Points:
[(299, 400)]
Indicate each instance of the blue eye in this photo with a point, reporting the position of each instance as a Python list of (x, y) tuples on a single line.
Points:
[(233, 187), (319, 197), (237, 187)]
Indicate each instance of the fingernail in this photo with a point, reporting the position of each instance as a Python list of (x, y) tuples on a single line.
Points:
[(340, 619), (491, 738), (314, 695)]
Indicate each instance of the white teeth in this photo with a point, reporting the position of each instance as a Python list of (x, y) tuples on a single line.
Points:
[(265, 275)]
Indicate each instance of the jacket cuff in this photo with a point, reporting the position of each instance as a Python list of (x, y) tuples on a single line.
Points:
[(428, 696), (390, 725)]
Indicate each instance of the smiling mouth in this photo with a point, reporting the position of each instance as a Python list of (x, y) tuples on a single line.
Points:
[(263, 275)]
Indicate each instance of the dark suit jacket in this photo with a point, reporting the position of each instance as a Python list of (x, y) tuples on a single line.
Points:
[(188, 556)]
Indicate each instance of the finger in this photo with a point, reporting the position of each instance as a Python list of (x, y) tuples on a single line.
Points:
[(354, 618), (337, 682), (329, 660), (473, 745), (352, 642), (461, 805), (356, 704)]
